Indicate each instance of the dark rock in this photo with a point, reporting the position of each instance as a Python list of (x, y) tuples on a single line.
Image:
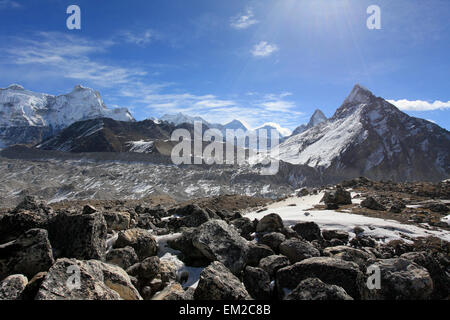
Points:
[(273, 240), (244, 226), (256, 252), (297, 250), (314, 289), (117, 221), (330, 270), (397, 207), (12, 287), (140, 240), (308, 230), (401, 279), (361, 258), (218, 241), (363, 241), (33, 286), (218, 283), (173, 292), (29, 254), (336, 198), (88, 209), (303, 192), (273, 263), (438, 207), (189, 254), (335, 234), (371, 203), (257, 283), (270, 223), (122, 257), (146, 270)]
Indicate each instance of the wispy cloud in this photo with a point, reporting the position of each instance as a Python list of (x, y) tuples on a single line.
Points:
[(4, 4), (140, 38), (243, 20), (264, 49), (420, 105)]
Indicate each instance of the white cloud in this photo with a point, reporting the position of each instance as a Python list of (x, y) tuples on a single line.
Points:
[(280, 105), (264, 49), (243, 21), (284, 131), (139, 38), (420, 105), (9, 4)]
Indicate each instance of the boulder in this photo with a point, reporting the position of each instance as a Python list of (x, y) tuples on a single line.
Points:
[(189, 254), (360, 257), (256, 252), (218, 283), (122, 257), (401, 279), (257, 283), (97, 281), (308, 230), (146, 270), (29, 214), (33, 286), (270, 223), (29, 254), (397, 207), (12, 287), (342, 273), (303, 193), (438, 272), (315, 289), (335, 234), (297, 250), (371, 203), (79, 236), (142, 241), (334, 199), (173, 291), (273, 240), (218, 241), (273, 263), (117, 221), (245, 227)]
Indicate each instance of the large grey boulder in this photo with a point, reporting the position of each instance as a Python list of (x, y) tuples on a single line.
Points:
[(97, 281), (218, 283), (218, 241), (256, 252), (273, 263), (334, 199), (257, 283), (360, 257), (117, 221), (142, 241), (371, 203), (273, 240), (315, 289), (29, 254), (122, 257), (12, 287), (308, 230), (297, 250), (79, 236), (189, 254), (344, 274), (401, 279)]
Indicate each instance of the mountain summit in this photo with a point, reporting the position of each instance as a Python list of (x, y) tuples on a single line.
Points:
[(368, 136), (317, 118)]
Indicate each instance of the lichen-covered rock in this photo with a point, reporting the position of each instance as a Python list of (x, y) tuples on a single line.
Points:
[(71, 279), (29, 254), (344, 274), (117, 221), (122, 257), (173, 291), (12, 287), (140, 240), (314, 289), (297, 250), (401, 279), (146, 270), (334, 199), (218, 241), (218, 283), (78, 236)]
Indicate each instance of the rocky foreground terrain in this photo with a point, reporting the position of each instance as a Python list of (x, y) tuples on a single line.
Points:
[(233, 247)]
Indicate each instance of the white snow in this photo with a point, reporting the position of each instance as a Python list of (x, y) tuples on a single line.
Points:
[(22, 107), (382, 229), (141, 146)]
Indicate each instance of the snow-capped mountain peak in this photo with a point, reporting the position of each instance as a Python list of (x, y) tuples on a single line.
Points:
[(21, 108), (359, 95), (317, 118)]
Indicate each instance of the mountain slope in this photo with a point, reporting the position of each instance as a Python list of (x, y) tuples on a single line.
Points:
[(369, 136), (29, 117), (317, 118)]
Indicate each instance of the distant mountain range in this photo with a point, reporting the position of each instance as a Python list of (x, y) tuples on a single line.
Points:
[(367, 136)]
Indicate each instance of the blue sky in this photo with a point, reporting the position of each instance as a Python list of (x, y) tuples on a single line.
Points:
[(258, 61)]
